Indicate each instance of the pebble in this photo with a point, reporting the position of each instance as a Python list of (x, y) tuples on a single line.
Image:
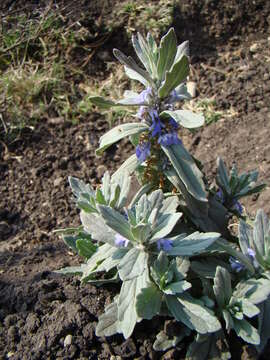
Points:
[(68, 340), (101, 169), (254, 48), (191, 88)]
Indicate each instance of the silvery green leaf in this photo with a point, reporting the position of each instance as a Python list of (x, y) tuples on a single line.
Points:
[(245, 236), (209, 347), (142, 52), (115, 221), (261, 233), (181, 268), (141, 232), (182, 93), (163, 342), (85, 248), (223, 245), (130, 63), (192, 244), (259, 292), (249, 309), (185, 118), (149, 302), (246, 331), (143, 190), (131, 99), (207, 267), (174, 77), (133, 264), (132, 74), (101, 102), (264, 324), (129, 166), (169, 205), (192, 313), (177, 287), (108, 322), (70, 240), (106, 186), (164, 226), (166, 53), (78, 187), (228, 319), (124, 183), (187, 170), (111, 262), (182, 49), (222, 176), (95, 226), (160, 266), (70, 270), (118, 133), (127, 314), (222, 287)]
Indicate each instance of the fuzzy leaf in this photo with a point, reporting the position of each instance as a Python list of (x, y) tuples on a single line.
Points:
[(165, 225), (70, 270), (246, 331), (101, 102), (222, 176), (132, 74), (185, 118), (192, 244), (118, 133), (85, 248), (261, 232), (108, 322), (163, 342), (187, 170), (264, 324), (182, 49), (174, 77), (177, 287), (128, 167), (127, 314), (167, 52), (222, 287), (149, 302), (133, 264)]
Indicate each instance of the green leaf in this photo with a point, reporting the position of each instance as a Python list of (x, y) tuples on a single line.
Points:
[(141, 232), (148, 302), (142, 51), (128, 167), (70, 270), (246, 331), (132, 74), (78, 187), (133, 264), (222, 287), (209, 347), (259, 292), (101, 102), (187, 170), (108, 322), (261, 232), (165, 225), (118, 133), (163, 342), (192, 313), (222, 176), (174, 77), (182, 49), (127, 314), (95, 225), (192, 244), (185, 118), (85, 248), (70, 240), (177, 287), (207, 267), (249, 309), (115, 221), (167, 52), (264, 324)]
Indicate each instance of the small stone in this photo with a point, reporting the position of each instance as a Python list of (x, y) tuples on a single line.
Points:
[(68, 340), (57, 181), (191, 88), (254, 48)]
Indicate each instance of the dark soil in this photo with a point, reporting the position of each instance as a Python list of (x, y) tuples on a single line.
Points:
[(39, 309)]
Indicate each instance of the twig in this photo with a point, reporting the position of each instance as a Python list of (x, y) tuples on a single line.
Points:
[(204, 66)]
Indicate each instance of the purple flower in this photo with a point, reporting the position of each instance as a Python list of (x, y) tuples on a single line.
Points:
[(237, 206), (220, 196), (143, 151), (121, 241), (173, 124), (251, 253), (157, 125), (169, 139), (144, 95), (164, 244), (141, 112)]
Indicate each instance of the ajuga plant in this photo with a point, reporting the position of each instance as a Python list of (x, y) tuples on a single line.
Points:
[(170, 247)]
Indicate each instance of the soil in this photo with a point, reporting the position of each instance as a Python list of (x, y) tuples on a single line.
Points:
[(230, 48)]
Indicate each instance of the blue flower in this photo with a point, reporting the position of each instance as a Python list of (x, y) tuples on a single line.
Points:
[(143, 151), (220, 196), (236, 265), (169, 139), (141, 112), (251, 253), (237, 206), (173, 124), (164, 244), (121, 241), (157, 125)]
